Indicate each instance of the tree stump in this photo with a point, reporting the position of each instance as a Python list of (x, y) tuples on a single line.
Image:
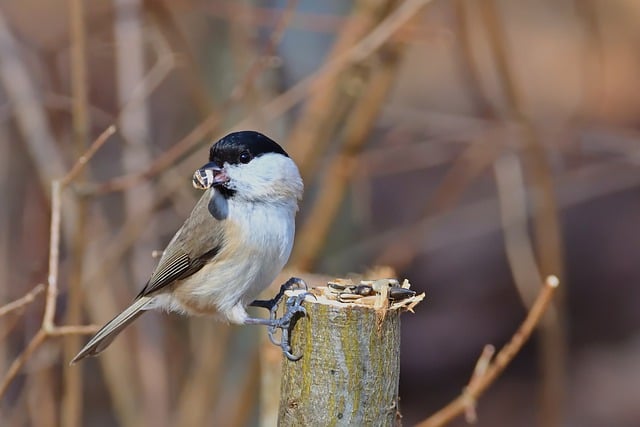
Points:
[(350, 366)]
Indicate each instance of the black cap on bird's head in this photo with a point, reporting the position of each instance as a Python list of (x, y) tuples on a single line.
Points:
[(241, 147)]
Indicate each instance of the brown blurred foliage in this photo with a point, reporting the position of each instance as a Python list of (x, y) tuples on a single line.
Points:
[(473, 146)]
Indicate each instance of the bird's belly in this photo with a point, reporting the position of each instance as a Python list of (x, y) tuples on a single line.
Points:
[(231, 279)]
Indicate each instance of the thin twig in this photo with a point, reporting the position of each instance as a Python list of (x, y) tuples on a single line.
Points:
[(483, 363), (19, 304), (479, 384), (547, 230), (278, 106), (48, 328), (374, 90), (84, 159), (54, 242), (20, 361), (60, 331), (327, 106), (512, 199), (54, 256), (72, 396), (311, 22), (38, 339), (164, 162), (361, 50)]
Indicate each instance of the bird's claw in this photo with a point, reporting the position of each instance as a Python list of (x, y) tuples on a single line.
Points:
[(294, 310)]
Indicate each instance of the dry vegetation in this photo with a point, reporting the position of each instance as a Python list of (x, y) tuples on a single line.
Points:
[(476, 147)]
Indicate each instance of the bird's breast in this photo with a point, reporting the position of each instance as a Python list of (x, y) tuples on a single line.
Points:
[(256, 247)]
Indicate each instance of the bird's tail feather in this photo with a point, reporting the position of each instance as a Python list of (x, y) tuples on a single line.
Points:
[(108, 332)]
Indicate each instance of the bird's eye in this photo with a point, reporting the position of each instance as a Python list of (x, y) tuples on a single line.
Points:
[(245, 157)]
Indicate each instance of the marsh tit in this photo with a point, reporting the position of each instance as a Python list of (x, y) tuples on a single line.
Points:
[(232, 246)]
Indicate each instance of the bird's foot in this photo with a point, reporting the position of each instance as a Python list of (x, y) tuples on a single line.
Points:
[(294, 310), (285, 323)]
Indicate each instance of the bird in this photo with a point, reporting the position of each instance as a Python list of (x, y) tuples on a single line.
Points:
[(232, 246)]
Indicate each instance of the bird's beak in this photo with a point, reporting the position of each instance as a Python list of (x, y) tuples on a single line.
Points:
[(209, 175)]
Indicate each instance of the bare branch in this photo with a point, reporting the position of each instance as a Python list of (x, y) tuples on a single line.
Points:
[(547, 230), (60, 331), (275, 108), (48, 328), (480, 383), (483, 363), (361, 50), (171, 156), (54, 255), (23, 301), (84, 159), (20, 361)]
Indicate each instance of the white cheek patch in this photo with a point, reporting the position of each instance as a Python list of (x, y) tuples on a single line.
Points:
[(266, 177), (202, 179)]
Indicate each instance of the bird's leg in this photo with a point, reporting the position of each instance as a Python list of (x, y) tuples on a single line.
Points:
[(284, 323)]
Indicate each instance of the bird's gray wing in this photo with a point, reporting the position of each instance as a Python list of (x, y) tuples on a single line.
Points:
[(196, 243)]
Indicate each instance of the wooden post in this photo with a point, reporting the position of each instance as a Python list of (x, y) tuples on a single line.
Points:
[(350, 366)]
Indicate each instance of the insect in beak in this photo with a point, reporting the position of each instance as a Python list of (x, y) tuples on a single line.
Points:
[(209, 175)]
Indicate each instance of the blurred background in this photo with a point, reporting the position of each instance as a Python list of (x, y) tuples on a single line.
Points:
[(473, 146)]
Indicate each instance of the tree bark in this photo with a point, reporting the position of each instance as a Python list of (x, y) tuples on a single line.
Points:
[(350, 367)]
